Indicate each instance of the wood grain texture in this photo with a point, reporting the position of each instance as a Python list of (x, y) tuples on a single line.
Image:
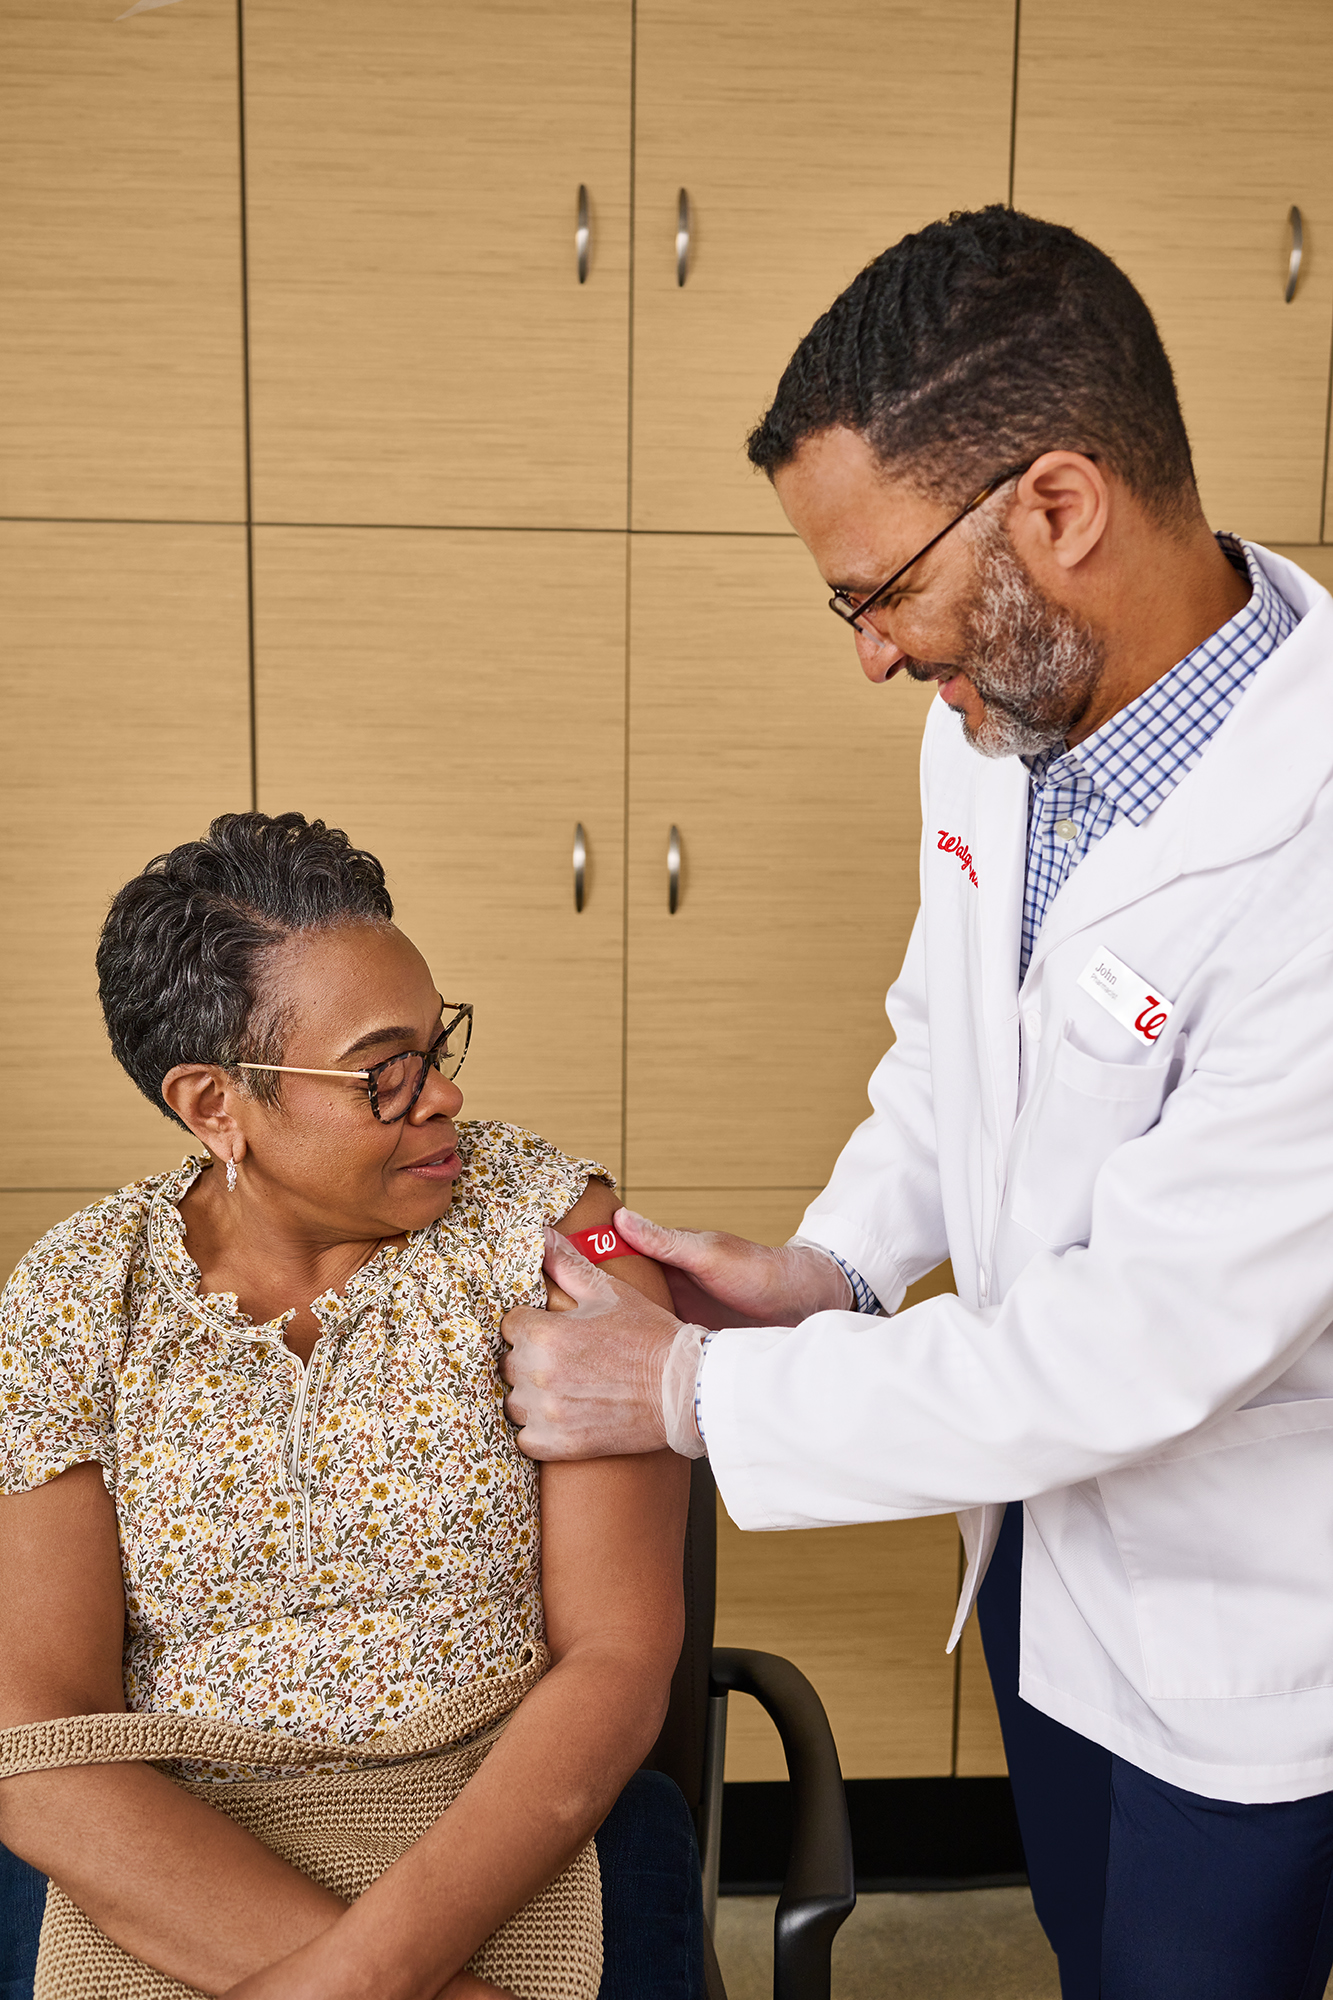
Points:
[(422, 350), (756, 1011), (980, 1745), (864, 1612), (126, 695), (463, 749), (1177, 139), (26, 1216), (121, 393), (799, 171)]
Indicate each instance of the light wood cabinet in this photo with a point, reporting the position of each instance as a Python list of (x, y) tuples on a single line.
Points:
[(421, 348), (808, 138), (127, 729), (755, 1012), (1178, 138), (122, 391), (463, 747)]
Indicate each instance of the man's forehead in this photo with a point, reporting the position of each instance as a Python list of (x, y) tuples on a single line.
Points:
[(855, 517)]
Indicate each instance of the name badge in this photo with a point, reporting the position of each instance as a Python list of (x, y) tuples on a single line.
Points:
[(1124, 995)]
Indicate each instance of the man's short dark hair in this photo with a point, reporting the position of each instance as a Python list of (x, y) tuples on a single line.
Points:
[(979, 343), (180, 960)]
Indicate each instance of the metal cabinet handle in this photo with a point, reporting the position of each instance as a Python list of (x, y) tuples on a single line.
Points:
[(1297, 251), (582, 237), (673, 871), (682, 236), (580, 866)]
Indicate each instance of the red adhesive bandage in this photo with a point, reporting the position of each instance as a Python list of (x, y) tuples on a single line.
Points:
[(599, 1246)]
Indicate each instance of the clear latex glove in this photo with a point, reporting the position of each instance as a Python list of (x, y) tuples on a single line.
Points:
[(588, 1383), (718, 1280)]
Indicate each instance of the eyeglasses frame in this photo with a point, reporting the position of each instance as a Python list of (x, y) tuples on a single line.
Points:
[(370, 1077), (841, 604)]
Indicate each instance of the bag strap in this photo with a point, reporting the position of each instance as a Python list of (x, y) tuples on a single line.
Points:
[(139, 1737)]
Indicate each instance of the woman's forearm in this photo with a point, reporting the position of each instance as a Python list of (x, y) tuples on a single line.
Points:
[(176, 1884), (540, 1795)]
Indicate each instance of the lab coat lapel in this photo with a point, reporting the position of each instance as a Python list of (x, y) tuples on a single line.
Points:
[(1001, 844)]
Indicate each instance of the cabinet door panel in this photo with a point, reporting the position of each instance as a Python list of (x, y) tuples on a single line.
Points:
[(1178, 139), (463, 748), (120, 303), (422, 349), (805, 150), (755, 1012), (126, 695)]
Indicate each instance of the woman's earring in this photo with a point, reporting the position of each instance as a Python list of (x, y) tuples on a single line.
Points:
[(231, 1177)]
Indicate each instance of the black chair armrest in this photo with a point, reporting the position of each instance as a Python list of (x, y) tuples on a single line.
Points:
[(819, 1892)]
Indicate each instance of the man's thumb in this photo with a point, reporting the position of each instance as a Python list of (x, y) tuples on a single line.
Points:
[(668, 1246), (572, 1271)]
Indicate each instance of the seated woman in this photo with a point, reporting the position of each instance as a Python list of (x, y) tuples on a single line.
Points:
[(255, 1466)]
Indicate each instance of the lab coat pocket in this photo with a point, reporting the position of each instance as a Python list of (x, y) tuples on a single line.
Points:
[(1082, 1110), (1227, 1540)]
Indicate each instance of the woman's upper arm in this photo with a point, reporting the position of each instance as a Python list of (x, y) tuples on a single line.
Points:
[(594, 1210), (62, 1601), (613, 1540)]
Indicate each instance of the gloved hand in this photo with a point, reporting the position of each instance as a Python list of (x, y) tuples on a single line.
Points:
[(589, 1383), (718, 1280)]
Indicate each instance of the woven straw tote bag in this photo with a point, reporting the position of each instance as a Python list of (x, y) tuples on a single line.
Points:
[(343, 1829)]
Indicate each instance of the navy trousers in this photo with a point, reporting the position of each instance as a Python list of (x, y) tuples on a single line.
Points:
[(1147, 1892), (652, 1907)]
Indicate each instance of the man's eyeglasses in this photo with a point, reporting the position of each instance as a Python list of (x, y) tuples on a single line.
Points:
[(394, 1085), (852, 610)]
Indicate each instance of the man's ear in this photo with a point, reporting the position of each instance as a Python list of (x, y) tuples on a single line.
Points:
[(1060, 511), (200, 1095)]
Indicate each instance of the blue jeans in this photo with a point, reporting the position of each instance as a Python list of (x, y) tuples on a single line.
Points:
[(652, 1909), (1145, 1891)]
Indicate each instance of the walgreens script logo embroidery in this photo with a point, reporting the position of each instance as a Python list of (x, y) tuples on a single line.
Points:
[(949, 843)]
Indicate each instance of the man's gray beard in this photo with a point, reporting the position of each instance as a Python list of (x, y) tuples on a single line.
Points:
[(1034, 666)]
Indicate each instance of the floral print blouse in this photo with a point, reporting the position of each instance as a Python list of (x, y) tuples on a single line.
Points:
[(320, 1548)]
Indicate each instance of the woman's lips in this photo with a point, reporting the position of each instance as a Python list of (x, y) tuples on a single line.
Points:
[(439, 1167)]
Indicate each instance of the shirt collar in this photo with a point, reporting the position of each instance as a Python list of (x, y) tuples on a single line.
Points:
[(1141, 753)]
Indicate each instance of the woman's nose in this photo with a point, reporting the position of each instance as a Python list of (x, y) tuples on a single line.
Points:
[(440, 1098)]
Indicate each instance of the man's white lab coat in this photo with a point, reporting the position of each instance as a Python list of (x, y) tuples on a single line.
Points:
[(1142, 1238)]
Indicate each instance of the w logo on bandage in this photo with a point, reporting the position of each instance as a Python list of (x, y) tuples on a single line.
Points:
[(600, 1245)]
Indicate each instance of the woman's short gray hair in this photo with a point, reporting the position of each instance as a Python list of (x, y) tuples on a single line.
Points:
[(180, 960)]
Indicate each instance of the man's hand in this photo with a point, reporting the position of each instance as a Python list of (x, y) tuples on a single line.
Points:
[(718, 1280), (587, 1383)]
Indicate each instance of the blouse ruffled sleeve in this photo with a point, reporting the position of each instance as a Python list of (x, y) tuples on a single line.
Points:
[(60, 1319)]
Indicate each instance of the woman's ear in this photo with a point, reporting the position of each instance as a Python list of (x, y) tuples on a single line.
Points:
[(200, 1096), (1061, 510)]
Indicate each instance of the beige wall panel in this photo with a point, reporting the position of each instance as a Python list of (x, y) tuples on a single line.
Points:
[(120, 303), (980, 1745), (865, 1613), (764, 1215), (809, 139), (26, 1216), (126, 697), (1178, 139), (462, 748), (756, 1011), (1316, 560), (421, 348)]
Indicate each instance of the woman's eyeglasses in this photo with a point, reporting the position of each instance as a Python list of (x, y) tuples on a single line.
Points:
[(394, 1085)]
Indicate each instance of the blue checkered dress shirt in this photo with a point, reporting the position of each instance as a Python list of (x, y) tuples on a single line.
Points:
[(1125, 769)]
